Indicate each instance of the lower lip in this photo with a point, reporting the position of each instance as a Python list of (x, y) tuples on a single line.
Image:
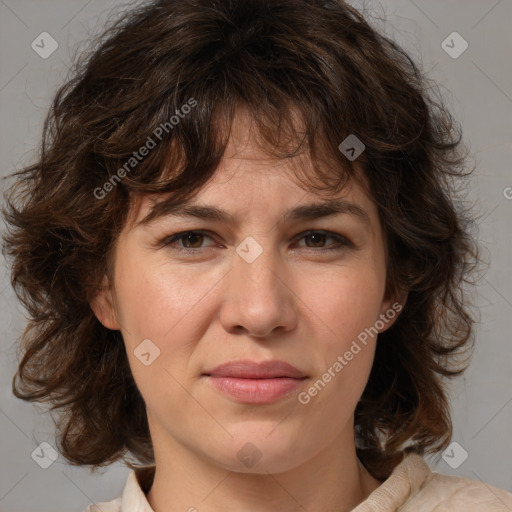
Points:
[(256, 391)]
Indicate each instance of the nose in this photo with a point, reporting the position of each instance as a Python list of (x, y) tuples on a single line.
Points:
[(258, 297)]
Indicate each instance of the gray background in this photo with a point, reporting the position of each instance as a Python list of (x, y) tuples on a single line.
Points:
[(478, 88)]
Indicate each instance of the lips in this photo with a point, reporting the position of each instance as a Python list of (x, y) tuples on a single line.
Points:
[(254, 370), (250, 382)]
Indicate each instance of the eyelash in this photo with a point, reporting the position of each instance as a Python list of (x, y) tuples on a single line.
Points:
[(342, 242)]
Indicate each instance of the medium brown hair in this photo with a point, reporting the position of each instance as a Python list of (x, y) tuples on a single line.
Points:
[(275, 59)]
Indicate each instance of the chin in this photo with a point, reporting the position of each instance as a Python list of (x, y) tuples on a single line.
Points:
[(253, 450)]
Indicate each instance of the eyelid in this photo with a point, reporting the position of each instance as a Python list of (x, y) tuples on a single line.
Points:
[(168, 240), (340, 239), (342, 242)]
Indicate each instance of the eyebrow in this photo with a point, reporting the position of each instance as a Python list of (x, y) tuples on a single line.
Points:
[(304, 212)]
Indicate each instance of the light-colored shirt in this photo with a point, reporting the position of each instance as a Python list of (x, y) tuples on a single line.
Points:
[(411, 487)]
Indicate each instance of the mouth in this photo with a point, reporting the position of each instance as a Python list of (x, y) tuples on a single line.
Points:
[(255, 370), (255, 383)]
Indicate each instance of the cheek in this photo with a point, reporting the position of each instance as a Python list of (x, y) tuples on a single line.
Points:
[(163, 305), (351, 304), (346, 301), (152, 298)]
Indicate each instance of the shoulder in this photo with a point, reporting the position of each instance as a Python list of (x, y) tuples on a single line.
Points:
[(133, 498), (443, 493), (414, 487), (105, 506)]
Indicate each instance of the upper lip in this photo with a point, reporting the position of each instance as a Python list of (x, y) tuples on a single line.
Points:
[(255, 370)]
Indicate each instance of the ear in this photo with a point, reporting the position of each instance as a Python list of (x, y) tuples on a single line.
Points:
[(102, 305), (390, 311)]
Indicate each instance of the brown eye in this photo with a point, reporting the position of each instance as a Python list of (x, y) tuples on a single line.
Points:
[(192, 240), (186, 241), (319, 240)]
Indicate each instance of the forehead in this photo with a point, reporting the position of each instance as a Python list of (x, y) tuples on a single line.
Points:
[(250, 179), (234, 204)]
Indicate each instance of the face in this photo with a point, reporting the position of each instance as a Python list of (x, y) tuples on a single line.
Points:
[(262, 286)]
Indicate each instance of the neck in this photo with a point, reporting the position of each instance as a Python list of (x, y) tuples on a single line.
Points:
[(334, 479)]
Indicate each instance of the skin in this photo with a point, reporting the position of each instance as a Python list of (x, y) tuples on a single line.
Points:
[(295, 302)]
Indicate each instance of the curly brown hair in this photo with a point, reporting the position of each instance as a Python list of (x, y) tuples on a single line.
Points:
[(319, 59)]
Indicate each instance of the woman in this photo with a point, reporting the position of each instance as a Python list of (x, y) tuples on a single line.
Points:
[(244, 265)]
